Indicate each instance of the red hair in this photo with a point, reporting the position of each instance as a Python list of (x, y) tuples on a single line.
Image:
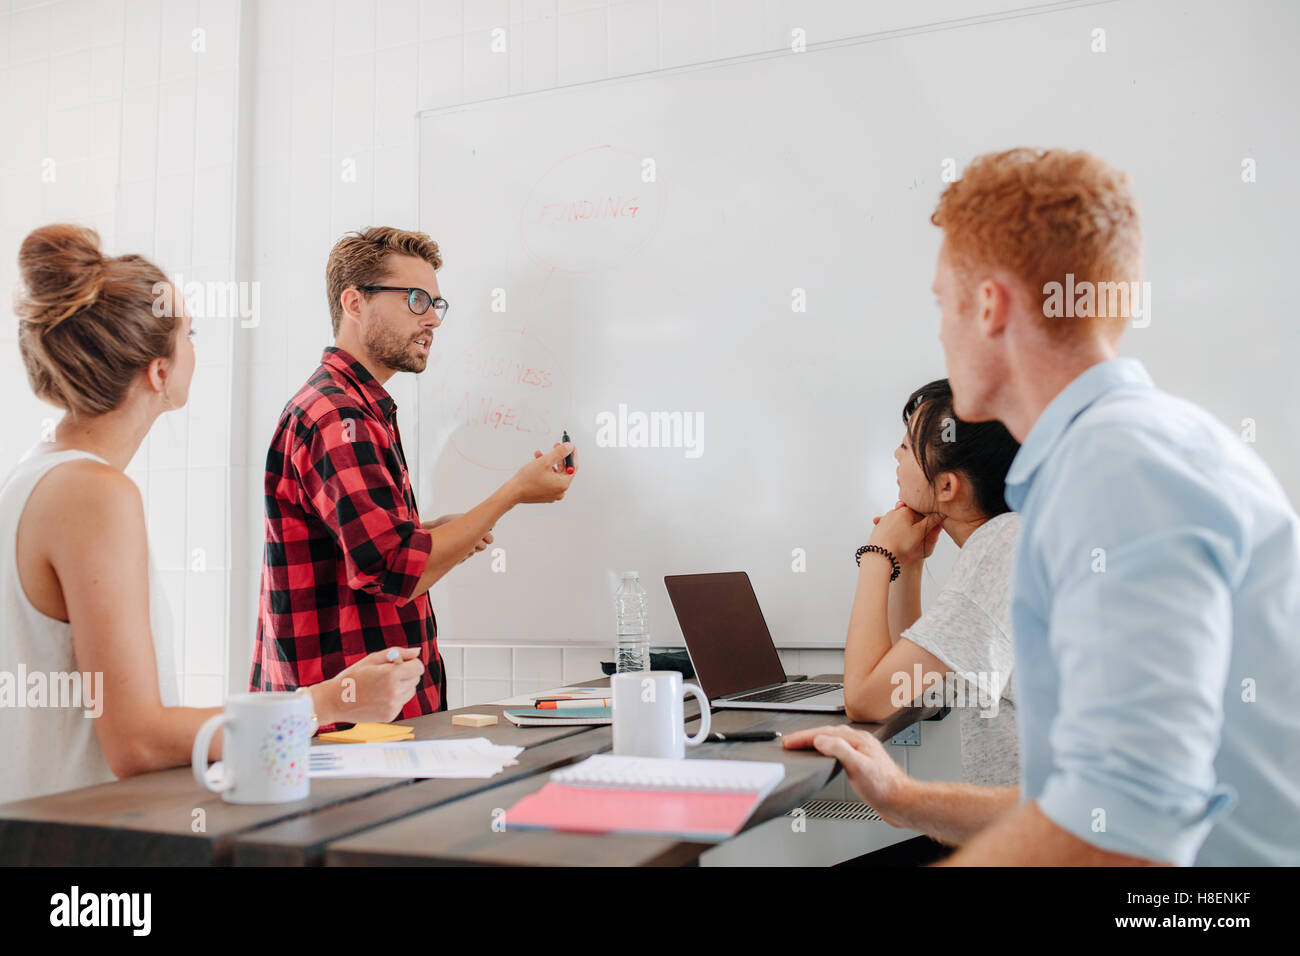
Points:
[(1040, 214)]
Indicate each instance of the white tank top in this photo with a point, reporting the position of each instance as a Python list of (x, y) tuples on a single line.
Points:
[(45, 749)]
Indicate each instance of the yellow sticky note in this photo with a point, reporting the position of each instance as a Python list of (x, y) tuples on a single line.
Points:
[(474, 720), (369, 733)]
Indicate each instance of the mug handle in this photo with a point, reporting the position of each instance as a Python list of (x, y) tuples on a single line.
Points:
[(705, 719), (199, 755)]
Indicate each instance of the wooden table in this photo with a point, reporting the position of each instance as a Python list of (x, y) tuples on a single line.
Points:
[(166, 818), (152, 819), (463, 832)]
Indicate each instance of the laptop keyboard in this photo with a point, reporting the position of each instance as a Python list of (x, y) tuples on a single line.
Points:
[(785, 693)]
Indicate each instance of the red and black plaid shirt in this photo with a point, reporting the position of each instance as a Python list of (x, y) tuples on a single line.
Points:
[(344, 545)]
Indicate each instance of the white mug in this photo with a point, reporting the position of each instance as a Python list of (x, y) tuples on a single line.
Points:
[(648, 714), (263, 751)]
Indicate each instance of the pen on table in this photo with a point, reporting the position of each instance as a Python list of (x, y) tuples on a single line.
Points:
[(568, 459), (561, 703), (742, 737)]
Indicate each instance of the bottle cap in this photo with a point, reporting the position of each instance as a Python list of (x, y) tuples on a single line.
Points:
[(631, 574)]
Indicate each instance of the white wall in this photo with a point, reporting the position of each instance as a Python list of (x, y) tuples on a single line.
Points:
[(226, 164), (110, 119), (343, 82)]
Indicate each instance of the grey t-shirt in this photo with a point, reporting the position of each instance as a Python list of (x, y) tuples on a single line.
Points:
[(969, 629)]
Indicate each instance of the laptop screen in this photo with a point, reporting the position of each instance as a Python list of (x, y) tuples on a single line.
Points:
[(725, 632)]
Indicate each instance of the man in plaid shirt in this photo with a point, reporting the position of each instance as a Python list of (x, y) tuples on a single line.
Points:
[(347, 561)]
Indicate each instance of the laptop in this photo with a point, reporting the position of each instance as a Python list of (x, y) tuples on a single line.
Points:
[(735, 661)]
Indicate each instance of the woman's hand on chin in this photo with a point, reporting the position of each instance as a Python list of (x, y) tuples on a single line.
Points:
[(909, 535)]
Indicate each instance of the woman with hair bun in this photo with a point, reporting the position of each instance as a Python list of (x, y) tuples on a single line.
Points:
[(101, 341)]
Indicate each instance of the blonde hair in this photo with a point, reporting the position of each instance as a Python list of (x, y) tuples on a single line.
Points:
[(1040, 214), (86, 322), (360, 258)]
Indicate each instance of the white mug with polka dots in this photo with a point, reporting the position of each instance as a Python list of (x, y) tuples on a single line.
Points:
[(263, 750)]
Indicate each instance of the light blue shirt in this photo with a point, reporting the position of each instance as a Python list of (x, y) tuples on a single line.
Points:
[(1156, 621)]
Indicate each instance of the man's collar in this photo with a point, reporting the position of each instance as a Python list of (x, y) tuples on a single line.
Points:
[(337, 358), (1091, 385)]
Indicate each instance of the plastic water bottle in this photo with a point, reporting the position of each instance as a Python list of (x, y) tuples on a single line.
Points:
[(633, 612)]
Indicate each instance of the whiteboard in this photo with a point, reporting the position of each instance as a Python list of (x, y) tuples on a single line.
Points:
[(580, 282)]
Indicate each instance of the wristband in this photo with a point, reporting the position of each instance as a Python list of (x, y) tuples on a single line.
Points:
[(879, 550)]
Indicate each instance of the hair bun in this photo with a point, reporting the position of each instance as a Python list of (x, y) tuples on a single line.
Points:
[(63, 272)]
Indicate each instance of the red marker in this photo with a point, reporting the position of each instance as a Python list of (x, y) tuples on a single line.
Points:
[(568, 459)]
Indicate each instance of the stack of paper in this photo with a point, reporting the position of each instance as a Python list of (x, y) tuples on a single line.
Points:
[(471, 757)]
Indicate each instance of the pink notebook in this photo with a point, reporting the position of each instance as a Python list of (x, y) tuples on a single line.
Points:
[(705, 800)]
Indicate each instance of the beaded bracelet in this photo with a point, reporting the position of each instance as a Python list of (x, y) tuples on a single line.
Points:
[(879, 550)]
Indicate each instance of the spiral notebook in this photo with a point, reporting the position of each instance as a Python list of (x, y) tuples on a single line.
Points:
[(704, 800)]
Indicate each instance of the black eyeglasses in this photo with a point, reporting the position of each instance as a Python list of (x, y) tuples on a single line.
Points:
[(417, 300)]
